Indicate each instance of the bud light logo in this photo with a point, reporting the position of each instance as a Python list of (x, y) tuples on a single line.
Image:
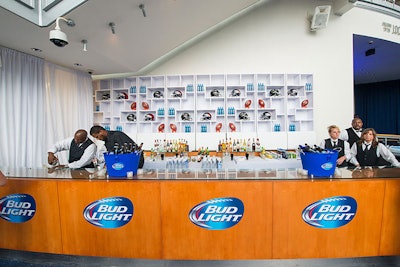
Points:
[(118, 166), (110, 212), (217, 213), (17, 208), (331, 212), (327, 166)]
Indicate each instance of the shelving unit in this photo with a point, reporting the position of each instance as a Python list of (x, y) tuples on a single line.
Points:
[(277, 108)]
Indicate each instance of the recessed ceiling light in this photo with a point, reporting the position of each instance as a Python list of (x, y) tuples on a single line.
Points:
[(78, 64), (36, 49), (371, 42)]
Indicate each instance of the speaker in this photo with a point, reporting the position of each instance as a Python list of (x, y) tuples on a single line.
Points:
[(320, 18)]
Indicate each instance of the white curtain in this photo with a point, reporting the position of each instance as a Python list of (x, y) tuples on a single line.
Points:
[(40, 103), (21, 109), (69, 104)]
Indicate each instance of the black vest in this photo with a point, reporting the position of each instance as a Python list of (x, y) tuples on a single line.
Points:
[(367, 157), (75, 152), (340, 143), (353, 137)]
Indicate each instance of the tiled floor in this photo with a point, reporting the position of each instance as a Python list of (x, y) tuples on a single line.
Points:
[(12, 258)]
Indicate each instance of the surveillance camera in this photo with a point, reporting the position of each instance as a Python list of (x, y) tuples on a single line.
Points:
[(58, 38)]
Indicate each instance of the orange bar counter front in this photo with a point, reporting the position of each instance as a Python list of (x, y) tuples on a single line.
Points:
[(256, 214)]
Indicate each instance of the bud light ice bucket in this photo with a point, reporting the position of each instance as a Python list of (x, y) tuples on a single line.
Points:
[(119, 164), (319, 164)]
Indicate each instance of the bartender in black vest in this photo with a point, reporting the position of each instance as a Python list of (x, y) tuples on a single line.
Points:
[(338, 144), (367, 151), (81, 151), (353, 133)]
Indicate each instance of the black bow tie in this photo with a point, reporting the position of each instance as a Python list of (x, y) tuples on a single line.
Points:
[(359, 131)]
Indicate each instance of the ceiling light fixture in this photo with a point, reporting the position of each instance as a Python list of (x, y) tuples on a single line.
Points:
[(36, 49), (84, 42), (112, 26), (58, 37), (141, 6)]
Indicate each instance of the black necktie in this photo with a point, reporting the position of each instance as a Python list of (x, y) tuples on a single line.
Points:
[(334, 143), (366, 147)]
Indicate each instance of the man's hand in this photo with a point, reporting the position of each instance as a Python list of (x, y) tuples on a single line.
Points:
[(51, 158)]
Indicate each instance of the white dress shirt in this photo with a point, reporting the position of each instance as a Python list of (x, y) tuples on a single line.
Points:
[(381, 150), (86, 158), (345, 136)]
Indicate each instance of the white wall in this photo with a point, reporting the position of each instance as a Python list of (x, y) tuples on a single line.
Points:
[(276, 38)]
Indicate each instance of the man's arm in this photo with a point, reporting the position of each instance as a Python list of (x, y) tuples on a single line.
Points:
[(387, 155), (57, 147), (344, 135)]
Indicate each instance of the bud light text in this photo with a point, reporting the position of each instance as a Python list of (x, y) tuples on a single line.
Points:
[(331, 212)]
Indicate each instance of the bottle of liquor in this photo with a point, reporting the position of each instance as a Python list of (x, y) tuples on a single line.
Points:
[(253, 146), (116, 148)]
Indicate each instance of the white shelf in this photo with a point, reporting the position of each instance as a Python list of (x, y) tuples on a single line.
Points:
[(290, 105)]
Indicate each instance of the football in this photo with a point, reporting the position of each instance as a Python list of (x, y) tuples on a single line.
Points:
[(232, 127), (161, 128), (304, 103), (145, 105), (133, 106), (218, 127), (261, 103), (173, 127), (247, 104)]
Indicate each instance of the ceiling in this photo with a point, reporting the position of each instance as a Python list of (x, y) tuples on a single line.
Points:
[(141, 42)]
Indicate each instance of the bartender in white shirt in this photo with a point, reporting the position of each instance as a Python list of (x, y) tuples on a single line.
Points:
[(367, 151), (353, 133), (334, 142), (82, 151)]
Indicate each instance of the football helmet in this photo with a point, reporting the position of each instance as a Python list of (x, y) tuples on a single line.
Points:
[(215, 92), (266, 115), (243, 116), (274, 92), (105, 96), (186, 117), (235, 92), (131, 117), (149, 117), (177, 93), (158, 94), (292, 92), (122, 95), (206, 116)]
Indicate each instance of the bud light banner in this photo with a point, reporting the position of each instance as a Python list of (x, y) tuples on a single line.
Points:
[(217, 213), (110, 212), (17, 208), (331, 212)]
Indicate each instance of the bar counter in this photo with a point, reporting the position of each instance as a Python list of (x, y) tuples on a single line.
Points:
[(276, 213)]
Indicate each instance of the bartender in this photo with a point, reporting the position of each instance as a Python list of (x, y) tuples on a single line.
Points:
[(111, 138), (81, 151), (368, 151)]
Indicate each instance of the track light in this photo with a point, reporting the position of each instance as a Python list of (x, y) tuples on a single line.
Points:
[(58, 37), (84, 42), (112, 26), (141, 6)]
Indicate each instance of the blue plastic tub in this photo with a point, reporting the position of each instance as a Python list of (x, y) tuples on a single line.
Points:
[(119, 165), (319, 164)]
